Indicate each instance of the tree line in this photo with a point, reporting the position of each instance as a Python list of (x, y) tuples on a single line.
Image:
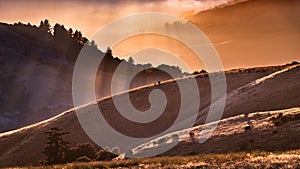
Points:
[(59, 151)]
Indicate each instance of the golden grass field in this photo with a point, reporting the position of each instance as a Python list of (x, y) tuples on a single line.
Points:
[(256, 159)]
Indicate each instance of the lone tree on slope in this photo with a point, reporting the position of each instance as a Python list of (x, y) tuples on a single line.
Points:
[(57, 149)]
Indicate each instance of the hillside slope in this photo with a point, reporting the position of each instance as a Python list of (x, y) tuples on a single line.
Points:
[(36, 70), (24, 146), (231, 136)]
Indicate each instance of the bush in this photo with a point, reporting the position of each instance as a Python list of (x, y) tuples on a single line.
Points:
[(246, 114), (83, 159), (203, 71), (294, 63), (84, 149), (104, 155), (162, 140), (282, 119), (116, 150), (175, 138), (247, 127)]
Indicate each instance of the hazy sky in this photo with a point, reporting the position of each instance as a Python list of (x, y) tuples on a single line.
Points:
[(89, 15), (276, 29)]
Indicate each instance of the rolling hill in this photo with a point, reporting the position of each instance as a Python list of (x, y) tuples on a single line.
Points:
[(24, 146), (36, 70)]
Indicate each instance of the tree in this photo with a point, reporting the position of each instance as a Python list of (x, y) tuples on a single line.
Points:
[(70, 31), (45, 26), (93, 44), (203, 71), (60, 33), (108, 51), (130, 60), (57, 148)]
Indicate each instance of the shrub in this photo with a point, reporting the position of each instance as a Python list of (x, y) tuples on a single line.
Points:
[(203, 71), (247, 127), (281, 119), (104, 155), (294, 63), (175, 138), (279, 115), (195, 72), (162, 140), (116, 150), (83, 159), (192, 136), (84, 149)]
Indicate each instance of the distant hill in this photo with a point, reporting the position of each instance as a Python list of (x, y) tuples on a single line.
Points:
[(254, 32), (36, 68)]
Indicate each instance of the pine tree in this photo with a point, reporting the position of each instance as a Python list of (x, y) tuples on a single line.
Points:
[(57, 149)]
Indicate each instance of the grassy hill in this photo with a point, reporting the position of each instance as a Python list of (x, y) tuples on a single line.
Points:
[(24, 146)]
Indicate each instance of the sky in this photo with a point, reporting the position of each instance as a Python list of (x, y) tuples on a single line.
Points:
[(272, 40), (88, 16)]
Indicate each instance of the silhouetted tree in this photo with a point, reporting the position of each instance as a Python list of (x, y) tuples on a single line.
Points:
[(85, 40), (70, 31), (77, 36), (60, 33), (45, 26), (130, 60), (93, 43), (108, 51), (57, 148), (203, 71)]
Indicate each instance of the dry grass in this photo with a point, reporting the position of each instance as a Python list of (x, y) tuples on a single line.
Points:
[(255, 159)]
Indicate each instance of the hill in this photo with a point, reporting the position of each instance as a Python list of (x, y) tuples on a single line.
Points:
[(36, 69), (23, 147), (254, 32)]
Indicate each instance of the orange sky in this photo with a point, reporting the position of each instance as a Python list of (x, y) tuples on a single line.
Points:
[(237, 49), (88, 16)]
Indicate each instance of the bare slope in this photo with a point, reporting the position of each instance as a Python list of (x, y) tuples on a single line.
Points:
[(24, 146)]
